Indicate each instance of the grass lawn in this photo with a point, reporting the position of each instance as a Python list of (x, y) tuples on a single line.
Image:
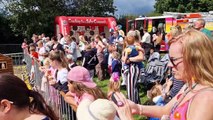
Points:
[(104, 86)]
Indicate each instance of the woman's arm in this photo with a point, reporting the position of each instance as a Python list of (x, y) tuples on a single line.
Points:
[(145, 110)]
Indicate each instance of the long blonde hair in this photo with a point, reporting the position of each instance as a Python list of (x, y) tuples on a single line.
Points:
[(197, 57), (114, 86)]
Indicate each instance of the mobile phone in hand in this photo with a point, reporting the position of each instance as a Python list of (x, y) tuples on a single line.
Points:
[(113, 98), (117, 102)]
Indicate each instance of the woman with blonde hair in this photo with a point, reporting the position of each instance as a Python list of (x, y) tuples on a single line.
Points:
[(131, 69), (191, 61)]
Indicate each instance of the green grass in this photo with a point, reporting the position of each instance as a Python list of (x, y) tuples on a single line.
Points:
[(104, 86)]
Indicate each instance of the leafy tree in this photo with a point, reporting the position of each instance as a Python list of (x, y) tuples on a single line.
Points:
[(34, 16), (37, 16), (94, 7), (183, 5), (5, 30)]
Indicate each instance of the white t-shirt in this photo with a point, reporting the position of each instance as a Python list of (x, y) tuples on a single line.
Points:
[(62, 41), (40, 52), (62, 75), (110, 59), (146, 38)]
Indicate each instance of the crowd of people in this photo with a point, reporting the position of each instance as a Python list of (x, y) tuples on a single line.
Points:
[(69, 65)]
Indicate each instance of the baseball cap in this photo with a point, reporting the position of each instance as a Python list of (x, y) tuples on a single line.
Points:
[(82, 75)]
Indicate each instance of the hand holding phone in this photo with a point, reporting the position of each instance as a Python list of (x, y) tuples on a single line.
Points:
[(117, 102)]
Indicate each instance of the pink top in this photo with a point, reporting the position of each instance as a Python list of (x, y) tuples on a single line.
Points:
[(180, 113), (84, 96)]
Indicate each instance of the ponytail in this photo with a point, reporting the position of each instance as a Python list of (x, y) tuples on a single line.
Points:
[(38, 105), (63, 60)]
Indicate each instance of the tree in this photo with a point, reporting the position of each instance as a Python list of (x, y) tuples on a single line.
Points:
[(37, 16), (34, 16), (183, 5), (94, 7), (6, 32)]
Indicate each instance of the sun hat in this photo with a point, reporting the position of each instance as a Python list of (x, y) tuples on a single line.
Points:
[(100, 109), (82, 75)]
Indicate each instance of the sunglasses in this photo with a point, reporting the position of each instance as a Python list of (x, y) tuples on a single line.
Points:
[(172, 60)]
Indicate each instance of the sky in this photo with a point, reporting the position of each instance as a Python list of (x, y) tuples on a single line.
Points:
[(137, 7)]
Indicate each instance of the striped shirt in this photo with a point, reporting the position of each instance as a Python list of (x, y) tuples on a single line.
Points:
[(177, 85)]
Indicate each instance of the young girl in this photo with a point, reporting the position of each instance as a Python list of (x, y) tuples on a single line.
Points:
[(58, 62), (34, 56), (81, 87), (116, 65), (47, 71), (111, 49), (114, 84)]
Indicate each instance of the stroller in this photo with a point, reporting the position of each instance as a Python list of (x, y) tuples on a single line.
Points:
[(156, 70)]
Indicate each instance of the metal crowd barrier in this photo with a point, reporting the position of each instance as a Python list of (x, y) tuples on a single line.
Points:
[(17, 58), (51, 96)]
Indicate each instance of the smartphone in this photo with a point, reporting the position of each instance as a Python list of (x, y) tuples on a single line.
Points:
[(113, 98), (118, 103)]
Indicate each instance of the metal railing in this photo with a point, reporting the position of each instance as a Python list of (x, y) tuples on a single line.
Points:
[(17, 58), (51, 95)]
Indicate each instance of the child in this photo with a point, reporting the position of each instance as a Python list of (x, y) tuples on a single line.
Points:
[(90, 60), (155, 94), (114, 85), (131, 50), (46, 69), (24, 46), (111, 49), (70, 61), (101, 109), (132, 69), (116, 65), (34, 56), (81, 87)]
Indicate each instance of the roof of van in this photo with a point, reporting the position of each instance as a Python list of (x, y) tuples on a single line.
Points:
[(155, 17)]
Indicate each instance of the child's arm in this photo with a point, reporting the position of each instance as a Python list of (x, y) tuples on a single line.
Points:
[(70, 100), (127, 51), (167, 85)]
